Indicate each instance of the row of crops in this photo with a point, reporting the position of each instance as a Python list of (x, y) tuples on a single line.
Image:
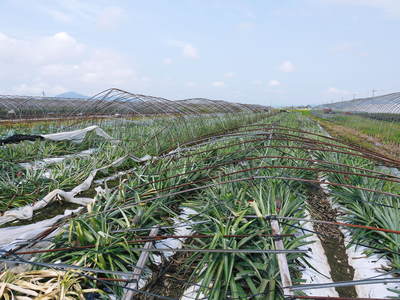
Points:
[(130, 137), (112, 102), (187, 213)]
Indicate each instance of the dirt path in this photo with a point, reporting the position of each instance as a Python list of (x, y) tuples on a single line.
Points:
[(356, 137), (332, 240)]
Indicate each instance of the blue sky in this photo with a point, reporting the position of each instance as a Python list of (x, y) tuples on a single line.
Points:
[(272, 52)]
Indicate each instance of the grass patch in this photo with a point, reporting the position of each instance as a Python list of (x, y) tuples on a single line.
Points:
[(388, 132)]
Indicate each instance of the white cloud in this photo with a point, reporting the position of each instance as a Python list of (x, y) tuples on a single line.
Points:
[(58, 63), (251, 15), (350, 48), (344, 47), (336, 91), (191, 84), (106, 67), (110, 18), (287, 66), (218, 83), (144, 78), (257, 82), (91, 12), (229, 74), (167, 60), (246, 26), (390, 7), (60, 46), (188, 50), (37, 88), (78, 9), (274, 82), (68, 11), (59, 15)]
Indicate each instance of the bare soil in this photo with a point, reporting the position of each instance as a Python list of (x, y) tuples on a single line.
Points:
[(332, 240), (170, 279)]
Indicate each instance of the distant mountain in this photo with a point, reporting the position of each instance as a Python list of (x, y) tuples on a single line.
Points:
[(72, 95)]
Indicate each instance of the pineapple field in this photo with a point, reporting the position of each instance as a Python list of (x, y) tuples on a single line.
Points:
[(201, 200)]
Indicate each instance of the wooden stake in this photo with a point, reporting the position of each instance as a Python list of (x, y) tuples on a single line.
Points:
[(139, 267), (282, 262)]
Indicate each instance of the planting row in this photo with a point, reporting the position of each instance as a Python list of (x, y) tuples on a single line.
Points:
[(212, 202), (25, 176)]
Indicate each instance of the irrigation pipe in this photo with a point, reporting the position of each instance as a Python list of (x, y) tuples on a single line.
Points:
[(196, 250), (144, 239), (331, 298), (142, 202), (330, 183), (46, 232), (353, 146), (347, 146), (281, 146), (107, 282), (300, 159), (143, 229), (263, 177), (318, 170), (155, 136), (212, 135), (303, 140), (342, 284), (279, 127), (271, 217), (162, 227), (64, 267), (350, 242)]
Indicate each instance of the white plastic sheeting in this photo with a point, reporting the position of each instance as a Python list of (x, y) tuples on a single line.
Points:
[(192, 292), (181, 230), (39, 164), (364, 266), (392, 171), (317, 258), (77, 136), (11, 237), (26, 212), (115, 176), (367, 267)]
